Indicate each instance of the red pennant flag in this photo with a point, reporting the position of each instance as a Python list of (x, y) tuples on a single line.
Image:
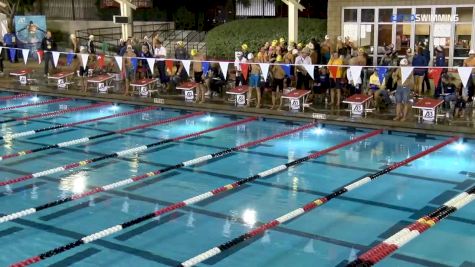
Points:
[(245, 70), (40, 54), (434, 73), (101, 61), (333, 71), (169, 64)]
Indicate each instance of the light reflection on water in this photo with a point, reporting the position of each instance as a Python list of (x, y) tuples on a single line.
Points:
[(75, 183)]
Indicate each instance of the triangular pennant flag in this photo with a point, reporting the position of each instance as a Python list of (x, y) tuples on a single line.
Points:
[(169, 64), (245, 70), (135, 63), (265, 70), (381, 73), (310, 70), (40, 54), (186, 65), (12, 54), (25, 53), (84, 58), (101, 61), (69, 59), (224, 68), (205, 67), (435, 73), (464, 73), (405, 72), (333, 71), (355, 72), (151, 64), (118, 60), (286, 69), (55, 58)]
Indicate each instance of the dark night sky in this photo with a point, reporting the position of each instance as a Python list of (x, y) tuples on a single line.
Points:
[(314, 8)]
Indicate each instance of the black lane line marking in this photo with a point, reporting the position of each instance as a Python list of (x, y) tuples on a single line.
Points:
[(78, 257), (149, 226)]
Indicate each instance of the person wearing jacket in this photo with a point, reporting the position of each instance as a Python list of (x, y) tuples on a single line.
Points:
[(48, 45), (419, 60)]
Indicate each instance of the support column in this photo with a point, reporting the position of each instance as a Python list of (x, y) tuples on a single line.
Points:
[(293, 23)]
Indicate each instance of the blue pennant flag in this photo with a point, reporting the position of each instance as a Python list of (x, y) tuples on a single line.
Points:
[(69, 59), (382, 73), (205, 67), (12, 55), (286, 68), (134, 62)]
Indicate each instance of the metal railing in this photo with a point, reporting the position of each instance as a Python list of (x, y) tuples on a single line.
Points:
[(109, 37)]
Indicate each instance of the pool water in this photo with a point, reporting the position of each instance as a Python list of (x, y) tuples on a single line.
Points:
[(327, 236)]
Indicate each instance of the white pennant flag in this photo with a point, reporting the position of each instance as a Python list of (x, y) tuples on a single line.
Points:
[(55, 58), (151, 64), (119, 61), (1, 49), (405, 72), (356, 74), (186, 65), (224, 68), (310, 69), (25, 53), (84, 58), (265, 70), (464, 73)]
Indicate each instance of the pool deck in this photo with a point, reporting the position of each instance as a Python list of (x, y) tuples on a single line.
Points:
[(336, 116)]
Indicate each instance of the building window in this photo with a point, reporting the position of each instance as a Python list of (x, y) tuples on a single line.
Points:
[(385, 15), (442, 33), (384, 37), (351, 15), (403, 38), (462, 41), (465, 14), (367, 15), (422, 35), (351, 30)]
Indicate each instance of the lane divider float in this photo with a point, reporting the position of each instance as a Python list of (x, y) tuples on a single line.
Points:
[(396, 241), (39, 103), (138, 178), (57, 112), (89, 138), (306, 208), (11, 97), (59, 126), (190, 201), (122, 153)]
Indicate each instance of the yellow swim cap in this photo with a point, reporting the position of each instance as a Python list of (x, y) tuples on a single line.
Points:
[(194, 52), (275, 42), (244, 47), (279, 58), (282, 40)]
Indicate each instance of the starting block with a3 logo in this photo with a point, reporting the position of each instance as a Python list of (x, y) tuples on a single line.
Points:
[(188, 89), (428, 109), (239, 93), (297, 99), (359, 105)]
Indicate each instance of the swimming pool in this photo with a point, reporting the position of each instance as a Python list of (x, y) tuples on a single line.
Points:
[(328, 236)]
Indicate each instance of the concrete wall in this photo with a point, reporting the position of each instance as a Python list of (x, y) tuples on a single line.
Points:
[(335, 8)]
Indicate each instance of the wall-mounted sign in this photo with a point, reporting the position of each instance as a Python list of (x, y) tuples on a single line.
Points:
[(425, 18)]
